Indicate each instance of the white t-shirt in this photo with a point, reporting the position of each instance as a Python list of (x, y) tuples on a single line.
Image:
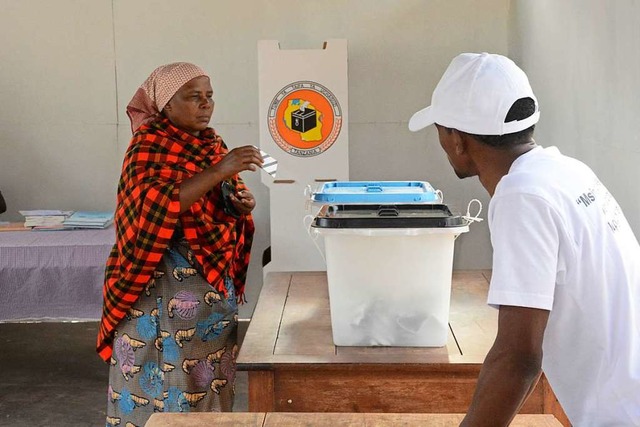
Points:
[(561, 243)]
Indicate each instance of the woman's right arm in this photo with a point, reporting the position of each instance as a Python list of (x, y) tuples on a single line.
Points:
[(235, 161)]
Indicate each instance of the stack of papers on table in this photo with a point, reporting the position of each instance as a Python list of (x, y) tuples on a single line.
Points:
[(45, 219), (89, 219)]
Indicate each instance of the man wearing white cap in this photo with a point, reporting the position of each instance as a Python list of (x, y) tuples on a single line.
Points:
[(566, 264)]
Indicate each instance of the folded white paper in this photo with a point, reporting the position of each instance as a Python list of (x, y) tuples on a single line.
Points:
[(270, 164)]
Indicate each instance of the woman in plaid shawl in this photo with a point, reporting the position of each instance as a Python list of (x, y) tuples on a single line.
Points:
[(177, 270)]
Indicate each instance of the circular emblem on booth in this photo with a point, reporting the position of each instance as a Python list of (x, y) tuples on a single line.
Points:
[(304, 118)]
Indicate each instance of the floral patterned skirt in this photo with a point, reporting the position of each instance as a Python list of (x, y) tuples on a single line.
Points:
[(176, 349)]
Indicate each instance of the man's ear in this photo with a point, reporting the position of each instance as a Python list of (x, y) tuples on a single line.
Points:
[(167, 106), (460, 141)]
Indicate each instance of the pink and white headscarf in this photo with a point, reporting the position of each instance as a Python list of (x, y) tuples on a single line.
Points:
[(157, 91)]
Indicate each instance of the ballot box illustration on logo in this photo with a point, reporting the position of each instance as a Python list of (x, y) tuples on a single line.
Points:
[(303, 119)]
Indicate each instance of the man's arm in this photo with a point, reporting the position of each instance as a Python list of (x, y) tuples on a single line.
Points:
[(511, 369)]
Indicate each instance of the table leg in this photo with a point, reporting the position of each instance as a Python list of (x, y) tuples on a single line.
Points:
[(261, 391), (551, 404)]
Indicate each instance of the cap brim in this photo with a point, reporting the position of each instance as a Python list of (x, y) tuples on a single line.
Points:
[(421, 119)]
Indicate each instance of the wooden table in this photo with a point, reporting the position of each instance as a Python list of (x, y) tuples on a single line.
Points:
[(284, 419), (293, 365)]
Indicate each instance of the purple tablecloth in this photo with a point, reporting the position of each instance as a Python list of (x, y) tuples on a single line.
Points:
[(53, 275)]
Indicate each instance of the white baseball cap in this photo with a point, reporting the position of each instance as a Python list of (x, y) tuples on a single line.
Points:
[(475, 94)]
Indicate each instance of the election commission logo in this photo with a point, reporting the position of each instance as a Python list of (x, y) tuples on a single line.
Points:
[(304, 119)]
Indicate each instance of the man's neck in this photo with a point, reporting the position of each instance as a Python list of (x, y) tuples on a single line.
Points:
[(495, 163)]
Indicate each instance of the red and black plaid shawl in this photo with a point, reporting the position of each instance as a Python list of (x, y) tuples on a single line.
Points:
[(159, 157)]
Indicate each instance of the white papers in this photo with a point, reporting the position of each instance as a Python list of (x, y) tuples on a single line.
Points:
[(45, 219), (270, 164), (45, 212), (89, 219), (62, 220)]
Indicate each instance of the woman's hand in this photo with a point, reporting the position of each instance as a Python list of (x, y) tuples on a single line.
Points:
[(243, 201), (238, 160)]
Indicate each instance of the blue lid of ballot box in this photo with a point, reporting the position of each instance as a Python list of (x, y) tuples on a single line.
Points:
[(376, 192)]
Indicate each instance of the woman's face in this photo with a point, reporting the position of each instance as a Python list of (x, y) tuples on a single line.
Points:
[(191, 107)]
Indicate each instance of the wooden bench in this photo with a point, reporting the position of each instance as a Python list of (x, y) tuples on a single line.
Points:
[(284, 419)]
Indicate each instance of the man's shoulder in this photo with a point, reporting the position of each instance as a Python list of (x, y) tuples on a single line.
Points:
[(543, 171)]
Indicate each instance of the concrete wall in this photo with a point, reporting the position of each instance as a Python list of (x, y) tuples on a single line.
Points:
[(583, 61), (69, 67)]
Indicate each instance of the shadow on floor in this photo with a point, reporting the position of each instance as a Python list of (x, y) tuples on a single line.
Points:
[(50, 375)]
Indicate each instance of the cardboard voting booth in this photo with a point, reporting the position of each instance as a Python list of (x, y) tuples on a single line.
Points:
[(303, 96)]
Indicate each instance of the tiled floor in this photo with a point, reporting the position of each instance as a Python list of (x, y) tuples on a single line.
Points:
[(51, 376)]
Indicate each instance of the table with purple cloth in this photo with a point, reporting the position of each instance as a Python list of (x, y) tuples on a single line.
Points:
[(53, 275)]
